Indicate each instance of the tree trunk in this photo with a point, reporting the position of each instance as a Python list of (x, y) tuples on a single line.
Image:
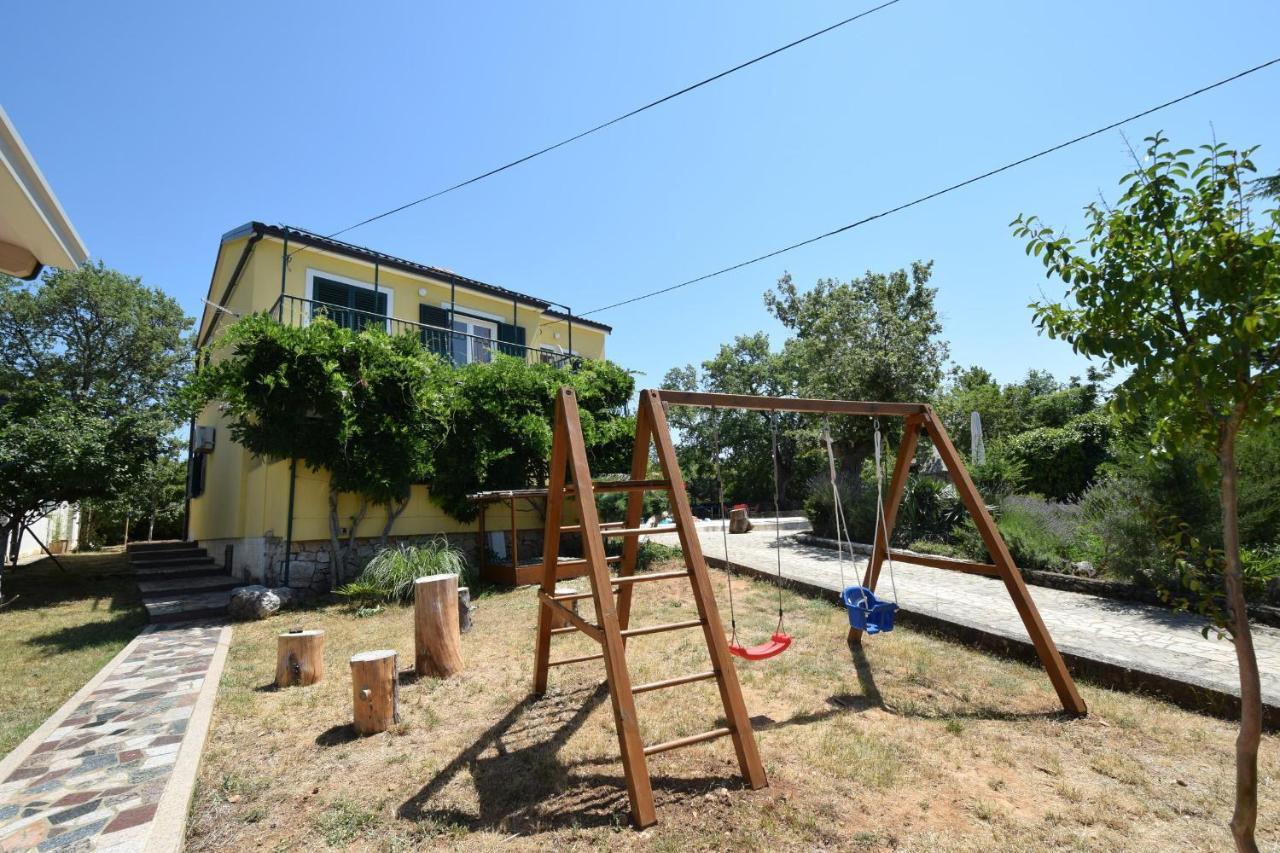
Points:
[(299, 658), (1245, 818), (375, 691), (126, 533), (151, 527), (335, 545), (393, 512), (437, 641)]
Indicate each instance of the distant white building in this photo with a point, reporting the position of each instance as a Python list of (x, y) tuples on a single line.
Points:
[(59, 530)]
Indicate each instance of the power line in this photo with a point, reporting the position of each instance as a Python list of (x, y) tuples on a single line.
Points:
[(1006, 167), (599, 127)]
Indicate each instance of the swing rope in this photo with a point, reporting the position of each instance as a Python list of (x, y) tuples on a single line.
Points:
[(836, 505), (882, 524), (777, 514), (724, 524)]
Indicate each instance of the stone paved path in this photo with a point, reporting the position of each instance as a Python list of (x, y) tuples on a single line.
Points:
[(94, 778), (1136, 636)]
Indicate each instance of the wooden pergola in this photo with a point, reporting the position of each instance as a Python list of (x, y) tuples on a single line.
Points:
[(510, 573)]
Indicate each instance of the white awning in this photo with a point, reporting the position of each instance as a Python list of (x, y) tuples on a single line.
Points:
[(34, 229)]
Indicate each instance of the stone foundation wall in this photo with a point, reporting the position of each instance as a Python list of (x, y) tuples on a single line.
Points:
[(310, 565)]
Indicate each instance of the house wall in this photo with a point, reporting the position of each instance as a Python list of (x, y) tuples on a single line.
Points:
[(246, 500)]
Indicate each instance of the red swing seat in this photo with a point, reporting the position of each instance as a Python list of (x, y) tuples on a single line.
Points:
[(774, 646)]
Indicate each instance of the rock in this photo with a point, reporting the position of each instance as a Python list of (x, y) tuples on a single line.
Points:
[(1084, 569), (253, 602)]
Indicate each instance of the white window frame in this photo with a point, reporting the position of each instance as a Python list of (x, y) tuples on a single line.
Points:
[(309, 291), (472, 323)]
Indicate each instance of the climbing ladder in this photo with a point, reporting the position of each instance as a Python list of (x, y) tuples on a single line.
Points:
[(612, 594)]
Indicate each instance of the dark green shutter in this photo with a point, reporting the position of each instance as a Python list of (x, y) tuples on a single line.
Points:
[(511, 340), (433, 339)]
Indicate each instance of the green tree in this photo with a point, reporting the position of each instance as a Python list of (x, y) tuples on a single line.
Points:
[(500, 435), (870, 338), (746, 366), (368, 408), (91, 365), (1179, 285)]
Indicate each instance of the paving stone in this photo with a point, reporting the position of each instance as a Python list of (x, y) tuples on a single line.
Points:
[(95, 782), (1145, 637)]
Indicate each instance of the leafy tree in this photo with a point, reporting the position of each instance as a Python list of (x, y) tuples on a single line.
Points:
[(368, 408), (156, 496), (870, 338), (746, 366), (1179, 285), (500, 436), (1060, 462), (91, 364)]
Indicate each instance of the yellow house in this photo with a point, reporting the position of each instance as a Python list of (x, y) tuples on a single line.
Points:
[(239, 505)]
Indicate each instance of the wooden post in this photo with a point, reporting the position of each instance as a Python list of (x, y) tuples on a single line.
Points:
[(436, 631), (558, 619), (1050, 658), (375, 691), (299, 658), (464, 609)]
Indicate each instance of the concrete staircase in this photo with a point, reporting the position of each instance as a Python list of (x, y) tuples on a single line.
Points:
[(179, 581)]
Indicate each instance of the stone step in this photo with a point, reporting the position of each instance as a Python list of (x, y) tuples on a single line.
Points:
[(196, 583), (160, 573), (161, 553), (181, 608), (159, 545), (196, 559)]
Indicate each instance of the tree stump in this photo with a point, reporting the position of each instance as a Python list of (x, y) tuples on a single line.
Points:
[(436, 633), (558, 619), (375, 691), (299, 658), (738, 521), (464, 609)]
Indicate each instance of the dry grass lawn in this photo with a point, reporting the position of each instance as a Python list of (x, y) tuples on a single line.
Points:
[(920, 745), (57, 630)]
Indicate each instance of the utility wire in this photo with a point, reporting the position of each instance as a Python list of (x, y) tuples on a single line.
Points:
[(599, 127), (976, 178)]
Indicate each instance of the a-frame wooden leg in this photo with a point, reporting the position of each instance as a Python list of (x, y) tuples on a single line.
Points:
[(635, 509), (550, 545), (735, 709), (634, 766), (1050, 658), (897, 487)]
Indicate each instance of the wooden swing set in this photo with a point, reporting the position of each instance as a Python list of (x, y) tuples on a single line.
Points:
[(611, 594)]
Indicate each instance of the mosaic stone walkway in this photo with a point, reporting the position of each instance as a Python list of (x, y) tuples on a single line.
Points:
[(96, 779)]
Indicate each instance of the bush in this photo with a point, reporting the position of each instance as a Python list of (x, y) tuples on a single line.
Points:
[(389, 576), (998, 477), (1060, 462), (1040, 534), (858, 501), (930, 509)]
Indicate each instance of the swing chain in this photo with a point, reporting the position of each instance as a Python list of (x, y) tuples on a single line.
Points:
[(777, 513), (882, 523)]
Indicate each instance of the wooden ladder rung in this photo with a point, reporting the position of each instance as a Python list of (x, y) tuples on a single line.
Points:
[(658, 629), (623, 486), (582, 659), (651, 576), (687, 741), (639, 531), (576, 561), (577, 528), (672, 682), (570, 629)]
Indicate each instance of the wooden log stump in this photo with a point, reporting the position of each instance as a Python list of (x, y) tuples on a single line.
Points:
[(299, 658), (738, 521), (436, 634), (558, 619), (465, 609), (375, 691)]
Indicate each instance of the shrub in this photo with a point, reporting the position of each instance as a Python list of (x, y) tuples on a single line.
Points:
[(389, 576), (857, 499), (999, 476), (930, 509), (1040, 534), (1061, 462)]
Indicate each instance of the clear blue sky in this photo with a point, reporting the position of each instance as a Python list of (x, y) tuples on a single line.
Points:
[(162, 125)]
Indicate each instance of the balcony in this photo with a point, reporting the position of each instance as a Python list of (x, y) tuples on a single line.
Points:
[(458, 347)]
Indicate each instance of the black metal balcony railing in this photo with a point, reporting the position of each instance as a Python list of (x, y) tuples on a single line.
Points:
[(458, 347)]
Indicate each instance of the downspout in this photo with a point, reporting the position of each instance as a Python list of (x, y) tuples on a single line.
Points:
[(284, 269), (453, 300), (288, 533)]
